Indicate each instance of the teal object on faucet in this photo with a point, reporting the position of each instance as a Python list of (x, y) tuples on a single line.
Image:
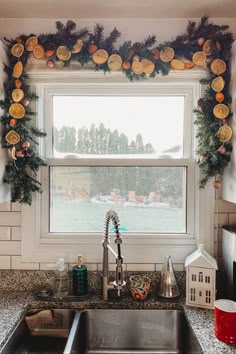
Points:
[(122, 228)]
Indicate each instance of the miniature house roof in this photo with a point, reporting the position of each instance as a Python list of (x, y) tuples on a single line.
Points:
[(201, 257)]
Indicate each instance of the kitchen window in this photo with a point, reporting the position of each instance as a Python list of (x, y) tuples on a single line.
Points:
[(114, 136), (122, 146)]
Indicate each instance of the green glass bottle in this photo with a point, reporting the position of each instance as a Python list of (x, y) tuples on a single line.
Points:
[(79, 278)]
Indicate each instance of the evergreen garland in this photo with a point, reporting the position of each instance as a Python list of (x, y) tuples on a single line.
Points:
[(213, 155)]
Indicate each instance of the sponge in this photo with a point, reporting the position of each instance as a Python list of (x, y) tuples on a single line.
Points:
[(39, 320)]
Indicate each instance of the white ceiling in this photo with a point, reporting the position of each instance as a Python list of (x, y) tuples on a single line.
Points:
[(73, 9)]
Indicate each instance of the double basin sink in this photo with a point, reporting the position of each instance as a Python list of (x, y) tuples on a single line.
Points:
[(103, 331)]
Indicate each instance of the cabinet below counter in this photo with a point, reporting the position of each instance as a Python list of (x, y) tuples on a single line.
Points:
[(14, 305)]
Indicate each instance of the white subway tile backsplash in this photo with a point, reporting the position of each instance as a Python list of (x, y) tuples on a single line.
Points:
[(221, 219), (5, 262), (224, 206), (216, 249), (219, 234), (10, 248), (51, 266), (5, 233), (178, 267), (16, 233), (10, 218), (6, 206), (219, 249), (146, 267), (17, 264), (93, 267), (232, 218)]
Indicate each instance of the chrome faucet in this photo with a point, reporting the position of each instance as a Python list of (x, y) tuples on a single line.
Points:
[(119, 283)]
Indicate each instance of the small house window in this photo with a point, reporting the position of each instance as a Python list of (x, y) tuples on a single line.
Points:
[(194, 277), (193, 294), (200, 277), (207, 279), (208, 296), (200, 293)]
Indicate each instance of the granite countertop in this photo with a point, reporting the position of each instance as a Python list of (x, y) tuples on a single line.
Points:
[(14, 305)]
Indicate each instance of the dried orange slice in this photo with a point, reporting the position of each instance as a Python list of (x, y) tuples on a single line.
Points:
[(137, 67), (17, 70), (207, 47), (225, 133), (100, 56), (17, 50), (12, 137), (218, 66), (218, 84), (77, 47), (114, 62), (148, 66), (16, 110), (17, 95), (199, 58), (177, 64), (38, 51), (167, 54), (63, 53), (221, 111), (31, 43)]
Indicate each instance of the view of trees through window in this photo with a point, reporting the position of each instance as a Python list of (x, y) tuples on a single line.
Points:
[(148, 199), (98, 140)]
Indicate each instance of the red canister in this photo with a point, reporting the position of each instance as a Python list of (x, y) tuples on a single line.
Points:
[(225, 320)]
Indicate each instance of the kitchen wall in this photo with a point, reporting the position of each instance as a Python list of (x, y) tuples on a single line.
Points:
[(135, 30)]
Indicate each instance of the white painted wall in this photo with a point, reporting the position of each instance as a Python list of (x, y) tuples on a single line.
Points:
[(134, 30)]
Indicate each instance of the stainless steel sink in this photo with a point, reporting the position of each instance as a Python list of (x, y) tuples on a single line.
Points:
[(45, 334), (131, 331)]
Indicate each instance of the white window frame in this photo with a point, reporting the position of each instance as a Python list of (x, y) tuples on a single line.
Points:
[(39, 246)]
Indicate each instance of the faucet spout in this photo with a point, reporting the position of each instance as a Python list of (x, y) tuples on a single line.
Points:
[(119, 282)]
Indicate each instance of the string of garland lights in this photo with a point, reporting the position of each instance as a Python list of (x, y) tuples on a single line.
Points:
[(203, 44)]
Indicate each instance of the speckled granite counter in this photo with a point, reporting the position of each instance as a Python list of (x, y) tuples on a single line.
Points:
[(13, 307)]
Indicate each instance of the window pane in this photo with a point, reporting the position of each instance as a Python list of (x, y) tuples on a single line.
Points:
[(118, 125), (147, 199)]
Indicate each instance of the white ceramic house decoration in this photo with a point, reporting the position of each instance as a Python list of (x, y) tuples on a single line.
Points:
[(200, 279)]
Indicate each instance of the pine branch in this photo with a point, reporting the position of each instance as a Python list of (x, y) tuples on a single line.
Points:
[(98, 35), (111, 39), (37, 132), (149, 41)]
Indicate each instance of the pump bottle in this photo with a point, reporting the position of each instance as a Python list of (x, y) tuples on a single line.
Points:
[(61, 279), (79, 278)]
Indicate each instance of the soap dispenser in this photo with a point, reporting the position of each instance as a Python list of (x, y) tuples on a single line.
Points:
[(61, 279), (79, 278)]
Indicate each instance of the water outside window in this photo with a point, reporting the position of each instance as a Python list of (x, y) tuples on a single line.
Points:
[(147, 199)]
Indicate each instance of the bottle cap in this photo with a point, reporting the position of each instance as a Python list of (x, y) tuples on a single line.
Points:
[(80, 261)]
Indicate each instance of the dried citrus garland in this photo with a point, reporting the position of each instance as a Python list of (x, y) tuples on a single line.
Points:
[(204, 44)]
